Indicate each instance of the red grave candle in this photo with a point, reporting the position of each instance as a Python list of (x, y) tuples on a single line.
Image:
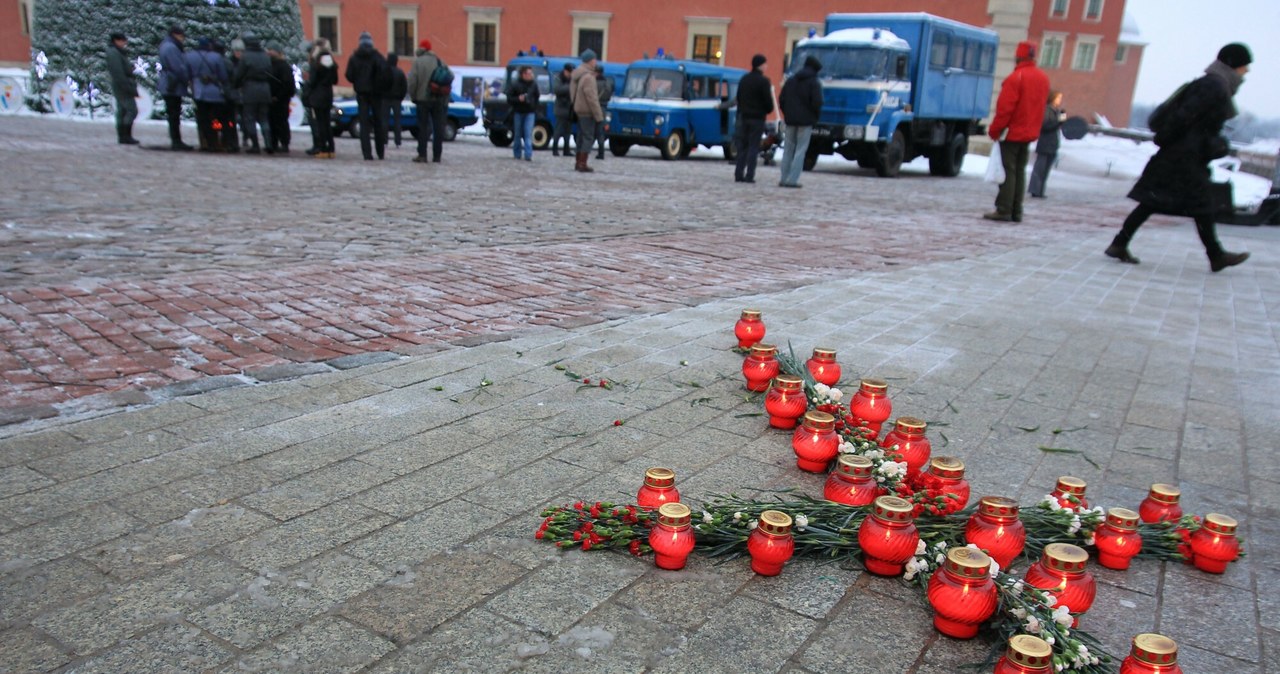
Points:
[(1026, 655), (770, 544), (760, 367), (912, 445), (815, 442), (851, 482), (949, 472), (1215, 543), (1161, 504), (870, 406), (823, 366), (888, 536), (1152, 654), (659, 487), (672, 537), (1061, 572), (785, 402), (1117, 539), (1069, 488), (749, 329), (962, 594), (995, 528)]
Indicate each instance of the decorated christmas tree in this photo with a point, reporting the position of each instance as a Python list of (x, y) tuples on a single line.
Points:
[(73, 34)]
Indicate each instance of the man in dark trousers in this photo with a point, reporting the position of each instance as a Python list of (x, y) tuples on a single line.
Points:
[(363, 70), (564, 126), (124, 86), (1019, 112), (801, 103), (175, 82), (283, 87), (394, 85), (431, 106), (755, 102)]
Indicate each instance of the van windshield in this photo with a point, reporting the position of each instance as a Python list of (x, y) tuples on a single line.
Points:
[(651, 83), (848, 63)]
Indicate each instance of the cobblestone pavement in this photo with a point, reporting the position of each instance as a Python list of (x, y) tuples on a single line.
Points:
[(123, 272)]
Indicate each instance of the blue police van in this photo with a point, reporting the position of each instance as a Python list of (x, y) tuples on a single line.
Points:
[(498, 118), (900, 86), (674, 106), (460, 115)]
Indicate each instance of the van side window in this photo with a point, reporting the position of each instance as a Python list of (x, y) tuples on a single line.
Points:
[(973, 57), (988, 58), (955, 58), (543, 78), (938, 50)]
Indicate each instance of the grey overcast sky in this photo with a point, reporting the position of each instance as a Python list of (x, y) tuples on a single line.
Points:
[(1184, 36)]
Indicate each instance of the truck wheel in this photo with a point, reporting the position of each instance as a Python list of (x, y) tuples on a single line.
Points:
[(500, 138), (949, 159), (890, 161), (674, 146), (541, 135), (619, 148), (354, 129), (450, 130)]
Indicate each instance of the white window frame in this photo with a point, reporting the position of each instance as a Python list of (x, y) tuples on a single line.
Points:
[(591, 21), (1084, 12), (1061, 39), (797, 30), (491, 15), (399, 12), (1066, 11), (327, 9), (707, 25), (1093, 40)]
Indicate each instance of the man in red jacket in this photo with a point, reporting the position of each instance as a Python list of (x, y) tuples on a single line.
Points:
[(1019, 112)]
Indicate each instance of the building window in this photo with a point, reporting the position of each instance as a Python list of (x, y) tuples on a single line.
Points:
[(24, 9), (590, 38), (403, 35), (591, 31), (327, 23), (1122, 53), (1058, 9), (796, 31), (706, 48), (1051, 51), (483, 27), (707, 39), (1093, 10), (1086, 55)]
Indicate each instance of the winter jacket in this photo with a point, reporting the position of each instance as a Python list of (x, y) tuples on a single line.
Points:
[(585, 95), (175, 80), (324, 74), (801, 98), (1176, 180), (755, 96), (208, 74), (520, 88), (399, 84), (561, 89), (604, 87), (253, 75), (232, 92), (1020, 107), (419, 84), (1049, 138), (124, 84), (283, 86), (363, 70)]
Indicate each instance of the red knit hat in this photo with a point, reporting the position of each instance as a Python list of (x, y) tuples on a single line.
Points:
[(425, 44), (1026, 51)]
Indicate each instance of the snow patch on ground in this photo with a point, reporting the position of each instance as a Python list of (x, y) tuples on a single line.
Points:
[(583, 640)]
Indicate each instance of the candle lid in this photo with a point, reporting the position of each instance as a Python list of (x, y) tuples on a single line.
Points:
[(1220, 524), (775, 522), (788, 382), (1165, 493), (1065, 557), (1123, 518), (763, 350), (674, 514), (824, 353), (1029, 651), (1155, 649), (910, 425), (819, 421), (947, 466), (1071, 485), (968, 563), (660, 478), (998, 506), (892, 509), (751, 314), (854, 464), (875, 385)]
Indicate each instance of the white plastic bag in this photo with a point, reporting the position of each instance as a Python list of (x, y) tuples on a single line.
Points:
[(995, 166)]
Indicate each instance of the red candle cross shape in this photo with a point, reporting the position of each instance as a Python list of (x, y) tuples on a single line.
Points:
[(962, 594), (1026, 655), (1161, 504), (1061, 572), (1152, 654), (1117, 539), (760, 367), (888, 536), (1215, 543), (672, 537), (771, 544), (659, 487), (785, 402), (870, 406), (949, 472), (815, 442), (912, 445), (995, 527), (823, 366), (749, 329), (851, 482), (1069, 488)]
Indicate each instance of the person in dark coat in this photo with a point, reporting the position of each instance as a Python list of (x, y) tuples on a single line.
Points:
[(1188, 129), (208, 76), (801, 103), (564, 126), (523, 97), (1047, 146), (253, 77), (364, 68), (124, 86), (604, 84), (283, 87), (175, 82), (1019, 112), (431, 106), (394, 86), (235, 101), (323, 75), (754, 102)]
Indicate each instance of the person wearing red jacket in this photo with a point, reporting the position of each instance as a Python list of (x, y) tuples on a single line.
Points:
[(1019, 113)]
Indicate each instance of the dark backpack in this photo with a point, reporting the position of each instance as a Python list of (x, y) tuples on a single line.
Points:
[(1158, 122), (441, 82)]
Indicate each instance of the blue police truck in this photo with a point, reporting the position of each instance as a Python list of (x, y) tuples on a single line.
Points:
[(674, 106), (497, 112), (900, 86)]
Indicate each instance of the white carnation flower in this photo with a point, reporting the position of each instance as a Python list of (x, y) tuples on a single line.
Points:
[(995, 568), (835, 394), (1062, 615), (737, 517), (752, 525), (921, 547), (706, 517), (801, 522), (822, 390)]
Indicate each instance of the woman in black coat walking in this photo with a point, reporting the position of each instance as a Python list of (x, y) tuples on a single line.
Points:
[(1188, 129)]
